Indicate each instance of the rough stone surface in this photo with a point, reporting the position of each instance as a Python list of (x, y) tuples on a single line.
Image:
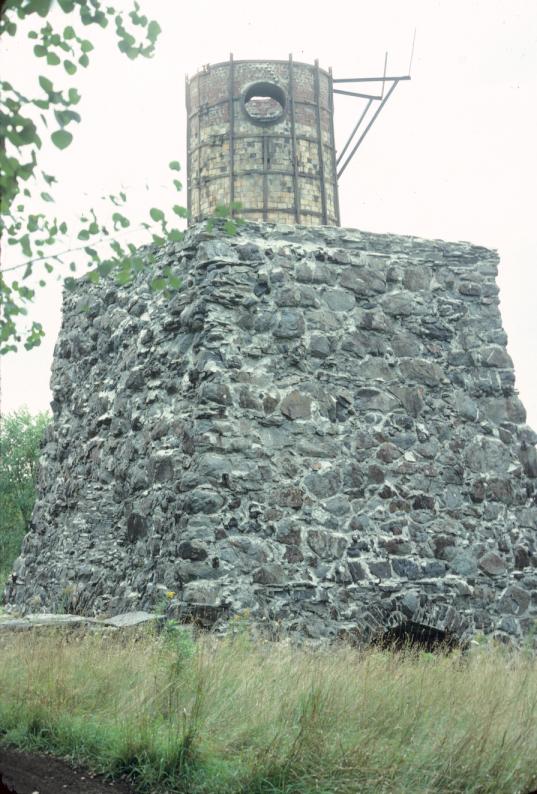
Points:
[(320, 427)]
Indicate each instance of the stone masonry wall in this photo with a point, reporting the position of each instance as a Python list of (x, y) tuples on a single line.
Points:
[(321, 427)]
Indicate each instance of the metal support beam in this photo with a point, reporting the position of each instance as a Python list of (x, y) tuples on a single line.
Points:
[(320, 140), (265, 176), (189, 179), (369, 79), (364, 133), (198, 169), (354, 93), (294, 154), (333, 180), (353, 133), (231, 88)]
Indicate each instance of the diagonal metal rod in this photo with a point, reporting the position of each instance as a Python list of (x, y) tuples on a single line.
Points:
[(412, 51), (354, 93), (369, 79), (353, 133), (364, 133)]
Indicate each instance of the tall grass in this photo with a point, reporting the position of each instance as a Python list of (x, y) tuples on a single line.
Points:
[(237, 716)]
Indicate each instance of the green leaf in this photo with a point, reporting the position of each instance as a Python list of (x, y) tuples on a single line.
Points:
[(123, 277), (153, 30), (105, 267), (46, 197), (48, 268), (175, 165), (40, 51), (83, 60), (158, 284), (63, 117), (178, 185), (68, 32), (52, 59), (175, 235), (181, 211), (74, 96), (66, 5), (61, 138), (156, 214), (86, 46), (24, 243), (69, 66), (116, 248), (230, 227), (45, 84), (83, 235), (41, 7), (120, 220)]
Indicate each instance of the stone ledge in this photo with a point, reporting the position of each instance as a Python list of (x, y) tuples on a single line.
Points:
[(59, 621)]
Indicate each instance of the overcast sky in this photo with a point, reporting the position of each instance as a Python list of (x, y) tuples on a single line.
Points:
[(452, 155)]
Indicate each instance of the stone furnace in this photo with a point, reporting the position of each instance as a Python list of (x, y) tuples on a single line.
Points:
[(320, 427)]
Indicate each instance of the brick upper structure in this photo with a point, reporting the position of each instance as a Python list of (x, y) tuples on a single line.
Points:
[(260, 134)]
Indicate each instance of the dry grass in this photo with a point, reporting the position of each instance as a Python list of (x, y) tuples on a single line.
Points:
[(238, 716)]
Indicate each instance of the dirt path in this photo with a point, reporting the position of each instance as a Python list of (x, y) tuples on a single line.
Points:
[(32, 773)]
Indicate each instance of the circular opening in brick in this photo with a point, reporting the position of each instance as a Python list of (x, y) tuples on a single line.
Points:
[(264, 102)]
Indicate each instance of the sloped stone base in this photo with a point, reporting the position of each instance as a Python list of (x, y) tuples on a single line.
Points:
[(320, 427)]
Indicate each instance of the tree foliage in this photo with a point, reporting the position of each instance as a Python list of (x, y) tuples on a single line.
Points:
[(20, 440), (28, 124)]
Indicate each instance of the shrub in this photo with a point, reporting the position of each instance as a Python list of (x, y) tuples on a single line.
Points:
[(20, 441)]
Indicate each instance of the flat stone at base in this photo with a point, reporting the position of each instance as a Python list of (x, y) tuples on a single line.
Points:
[(128, 619)]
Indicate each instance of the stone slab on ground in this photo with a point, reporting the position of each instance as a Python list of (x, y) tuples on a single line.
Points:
[(61, 621)]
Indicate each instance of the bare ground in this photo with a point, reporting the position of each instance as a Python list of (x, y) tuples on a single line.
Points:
[(34, 773)]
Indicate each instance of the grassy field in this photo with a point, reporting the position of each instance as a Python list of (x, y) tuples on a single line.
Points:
[(236, 715)]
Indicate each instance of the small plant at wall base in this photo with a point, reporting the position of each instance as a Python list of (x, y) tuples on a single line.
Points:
[(21, 435)]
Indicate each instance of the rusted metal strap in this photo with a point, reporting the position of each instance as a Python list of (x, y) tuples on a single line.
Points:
[(231, 134), (317, 84), (294, 154)]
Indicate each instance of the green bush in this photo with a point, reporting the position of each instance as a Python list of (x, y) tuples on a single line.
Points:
[(20, 440)]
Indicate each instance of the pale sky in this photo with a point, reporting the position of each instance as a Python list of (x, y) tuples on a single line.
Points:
[(452, 155)]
